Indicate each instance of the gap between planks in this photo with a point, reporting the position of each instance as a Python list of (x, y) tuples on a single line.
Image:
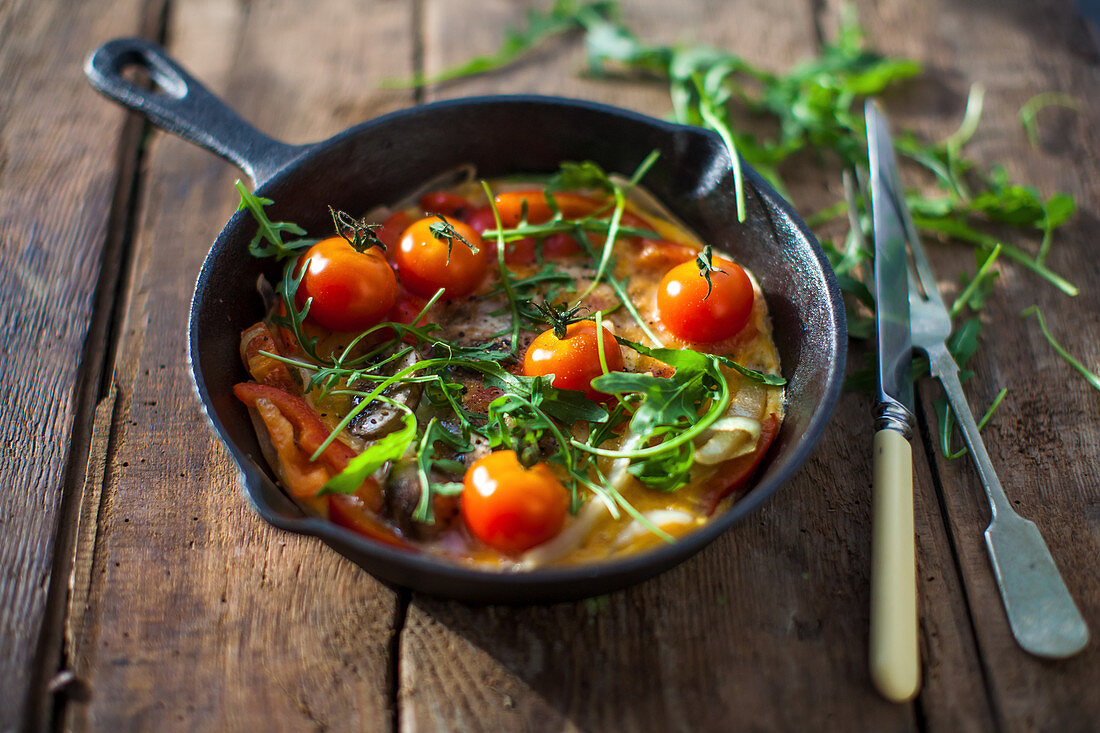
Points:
[(96, 400)]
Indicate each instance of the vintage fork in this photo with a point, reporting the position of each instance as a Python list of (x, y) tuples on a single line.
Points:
[(1040, 610)]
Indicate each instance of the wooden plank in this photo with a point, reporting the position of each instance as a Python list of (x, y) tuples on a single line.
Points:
[(766, 629), (188, 611), (1043, 439), (61, 164)]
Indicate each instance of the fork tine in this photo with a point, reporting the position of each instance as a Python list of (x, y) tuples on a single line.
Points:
[(915, 289), (924, 270)]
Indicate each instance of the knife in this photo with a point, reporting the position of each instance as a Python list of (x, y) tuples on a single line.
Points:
[(894, 657), (1041, 613)]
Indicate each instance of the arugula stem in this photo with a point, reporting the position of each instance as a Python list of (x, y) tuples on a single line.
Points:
[(968, 292), (620, 290), (963, 233), (1089, 376), (706, 110), (505, 276)]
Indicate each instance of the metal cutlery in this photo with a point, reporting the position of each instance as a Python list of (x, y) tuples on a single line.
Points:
[(894, 655), (1042, 615)]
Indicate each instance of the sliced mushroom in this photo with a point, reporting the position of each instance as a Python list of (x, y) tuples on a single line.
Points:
[(379, 418), (402, 495)]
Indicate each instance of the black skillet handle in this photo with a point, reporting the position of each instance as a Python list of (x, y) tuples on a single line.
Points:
[(185, 107)]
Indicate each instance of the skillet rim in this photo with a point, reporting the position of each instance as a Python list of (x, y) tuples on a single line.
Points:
[(554, 583)]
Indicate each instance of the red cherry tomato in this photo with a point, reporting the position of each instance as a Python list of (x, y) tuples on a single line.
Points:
[(351, 291), (407, 307), (424, 265), (511, 508), (392, 228), (559, 245), (574, 360), (442, 202), (572, 205), (519, 252), (481, 219), (689, 313)]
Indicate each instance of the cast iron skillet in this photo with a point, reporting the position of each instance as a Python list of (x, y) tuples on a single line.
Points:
[(382, 160)]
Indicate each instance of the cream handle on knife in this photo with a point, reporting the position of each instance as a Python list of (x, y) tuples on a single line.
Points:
[(894, 658)]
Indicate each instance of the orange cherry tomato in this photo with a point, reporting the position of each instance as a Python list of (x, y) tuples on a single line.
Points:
[(572, 205), (574, 360), (689, 313), (511, 508), (351, 291), (424, 265), (442, 202)]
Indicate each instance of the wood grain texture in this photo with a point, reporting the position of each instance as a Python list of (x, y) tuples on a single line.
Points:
[(1043, 439), (745, 635), (194, 614), (59, 170), (187, 612)]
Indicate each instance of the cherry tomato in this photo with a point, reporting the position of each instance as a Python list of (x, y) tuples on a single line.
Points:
[(572, 205), (519, 252), (559, 245), (392, 228), (481, 219), (660, 254), (574, 360), (689, 313), (442, 202), (511, 508), (351, 291), (407, 307), (424, 265), (522, 252)]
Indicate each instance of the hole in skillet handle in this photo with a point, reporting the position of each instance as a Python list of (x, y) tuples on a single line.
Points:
[(185, 107)]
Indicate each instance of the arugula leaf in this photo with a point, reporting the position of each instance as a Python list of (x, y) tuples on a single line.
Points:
[(586, 174), (690, 400), (813, 108), (569, 406), (772, 380), (434, 432), (562, 18), (667, 401), (389, 447), (295, 317), (666, 472), (269, 231)]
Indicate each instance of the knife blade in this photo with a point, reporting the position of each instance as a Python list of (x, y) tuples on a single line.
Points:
[(894, 656)]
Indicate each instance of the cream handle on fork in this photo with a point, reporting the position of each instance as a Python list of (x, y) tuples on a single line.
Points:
[(1044, 619)]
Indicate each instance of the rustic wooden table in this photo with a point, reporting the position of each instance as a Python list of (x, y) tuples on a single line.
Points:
[(137, 588)]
